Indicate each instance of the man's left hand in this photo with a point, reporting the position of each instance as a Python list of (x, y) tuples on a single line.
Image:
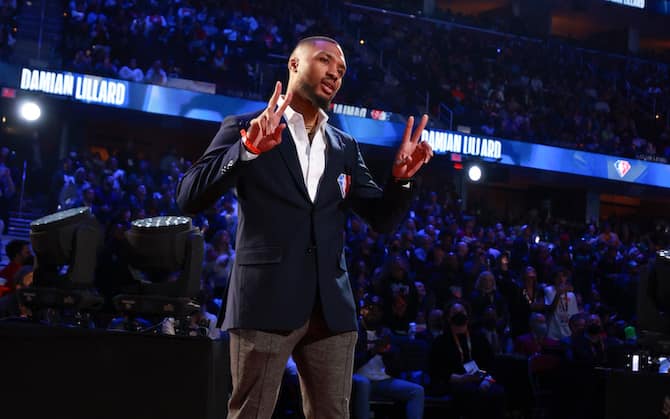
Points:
[(413, 153)]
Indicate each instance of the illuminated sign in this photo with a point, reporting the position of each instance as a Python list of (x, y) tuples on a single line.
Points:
[(470, 145), (366, 125), (630, 3), (349, 110), (84, 88)]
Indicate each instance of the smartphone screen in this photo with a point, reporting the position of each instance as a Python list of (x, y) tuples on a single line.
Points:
[(636, 363)]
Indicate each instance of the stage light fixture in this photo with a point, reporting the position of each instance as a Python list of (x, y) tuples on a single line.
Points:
[(66, 247), (165, 257), (474, 173), (30, 111)]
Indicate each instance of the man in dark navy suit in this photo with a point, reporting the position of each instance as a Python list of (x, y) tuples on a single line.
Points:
[(289, 291)]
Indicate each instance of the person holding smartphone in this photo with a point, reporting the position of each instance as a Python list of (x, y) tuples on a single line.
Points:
[(458, 365), (561, 304)]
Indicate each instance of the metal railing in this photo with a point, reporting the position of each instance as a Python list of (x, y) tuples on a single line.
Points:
[(442, 110)]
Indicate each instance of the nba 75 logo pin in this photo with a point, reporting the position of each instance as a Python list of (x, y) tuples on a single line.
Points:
[(345, 182)]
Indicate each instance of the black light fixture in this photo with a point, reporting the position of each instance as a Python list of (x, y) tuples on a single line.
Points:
[(653, 299), (66, 247), (165, 258)]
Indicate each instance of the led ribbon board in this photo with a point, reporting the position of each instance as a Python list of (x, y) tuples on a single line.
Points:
[(367, 126), (80, 87), (639, 4)]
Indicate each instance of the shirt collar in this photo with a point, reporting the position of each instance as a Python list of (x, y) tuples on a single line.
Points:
[(292, 116)]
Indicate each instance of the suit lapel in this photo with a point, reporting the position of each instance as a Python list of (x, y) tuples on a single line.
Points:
[(328, 183), (290, 156)]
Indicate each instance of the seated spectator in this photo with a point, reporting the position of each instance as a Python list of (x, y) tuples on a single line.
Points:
[(203, 322), (590, 347), (526, 297), (221, 258), (7, 42), (19, 254), (456, 364), (132, 72), (498, 338), (72, 189), (521, 248), (399, 295), (536, 341), (374, 365), (609, 237), (9, 303), (505, 277), (156, 74), (486, 295), (138, 200), (577, 324), (106, 68), (81, 63), (434, 326), (426, 298), (7, 191)]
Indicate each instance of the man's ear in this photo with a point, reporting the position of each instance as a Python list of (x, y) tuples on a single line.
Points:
[(293, 64)]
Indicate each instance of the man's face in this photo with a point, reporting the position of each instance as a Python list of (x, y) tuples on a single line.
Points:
[(456, 309), (25, 253), (531, 275), (318, 68), (561, 279), (578, 327), (594, 320), (397, 271), (538, 321), (435, 320), (420, 288), (462, 249), (488, 284)]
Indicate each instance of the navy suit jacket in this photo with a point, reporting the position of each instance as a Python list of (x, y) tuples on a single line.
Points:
[(289, 250)]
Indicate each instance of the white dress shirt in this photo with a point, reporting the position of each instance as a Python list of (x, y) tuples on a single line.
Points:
[(312, 156)]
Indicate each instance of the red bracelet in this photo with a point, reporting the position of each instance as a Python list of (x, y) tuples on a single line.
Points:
[(247, 144)]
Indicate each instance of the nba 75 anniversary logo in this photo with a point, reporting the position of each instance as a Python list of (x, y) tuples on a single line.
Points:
[(622, 167)]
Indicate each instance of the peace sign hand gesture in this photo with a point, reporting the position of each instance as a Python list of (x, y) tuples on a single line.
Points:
[(265, 130), (413, 153)]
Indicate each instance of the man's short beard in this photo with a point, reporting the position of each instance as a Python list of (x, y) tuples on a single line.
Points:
[(309, 94)]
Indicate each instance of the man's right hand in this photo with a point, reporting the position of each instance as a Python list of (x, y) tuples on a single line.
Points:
[(265, 130)]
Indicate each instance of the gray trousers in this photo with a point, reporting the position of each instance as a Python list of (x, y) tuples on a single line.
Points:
[(325, 368)]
